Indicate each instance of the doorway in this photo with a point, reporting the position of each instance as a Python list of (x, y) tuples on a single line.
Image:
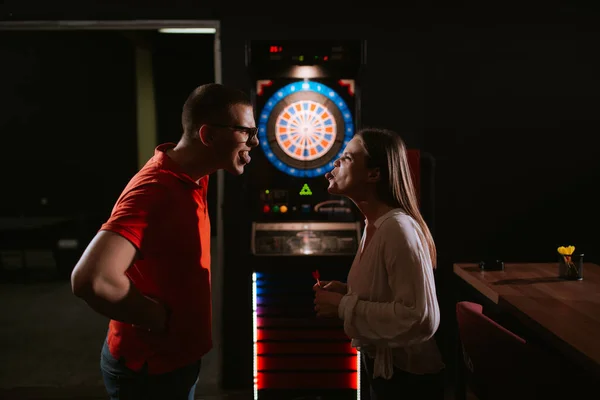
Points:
[(86, 104)]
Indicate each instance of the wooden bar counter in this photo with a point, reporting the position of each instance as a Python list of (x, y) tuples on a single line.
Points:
[(565, 314)]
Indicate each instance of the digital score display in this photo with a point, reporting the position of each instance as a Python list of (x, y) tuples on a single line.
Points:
[(277, 53), (305, 53)]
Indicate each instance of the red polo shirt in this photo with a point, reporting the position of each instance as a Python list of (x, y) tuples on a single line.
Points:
[(163, 212)]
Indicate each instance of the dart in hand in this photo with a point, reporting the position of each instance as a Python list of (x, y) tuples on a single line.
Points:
[(317, 277)]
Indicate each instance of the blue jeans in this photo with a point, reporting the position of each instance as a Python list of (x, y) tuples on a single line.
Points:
[(123, 383)]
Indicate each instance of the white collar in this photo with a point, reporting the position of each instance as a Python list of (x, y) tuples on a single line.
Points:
[(387, 215)]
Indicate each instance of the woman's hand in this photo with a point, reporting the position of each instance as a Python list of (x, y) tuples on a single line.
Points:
[(332, 286), (327, 302)]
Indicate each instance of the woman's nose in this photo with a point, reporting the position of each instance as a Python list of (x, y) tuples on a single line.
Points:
[(336, 163)]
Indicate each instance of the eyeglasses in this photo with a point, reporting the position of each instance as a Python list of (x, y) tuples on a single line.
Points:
[(251, 132)]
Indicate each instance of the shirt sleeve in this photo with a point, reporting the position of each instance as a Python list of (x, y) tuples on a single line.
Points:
[(413, 315), (134, 211)]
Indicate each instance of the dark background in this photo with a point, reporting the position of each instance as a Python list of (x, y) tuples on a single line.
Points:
[(68, 119), (506, 103)]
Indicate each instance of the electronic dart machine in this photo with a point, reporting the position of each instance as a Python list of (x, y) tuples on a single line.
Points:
[(307, 102)]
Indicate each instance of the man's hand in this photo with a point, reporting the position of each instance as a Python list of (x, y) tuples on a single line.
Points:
[(159, 321)]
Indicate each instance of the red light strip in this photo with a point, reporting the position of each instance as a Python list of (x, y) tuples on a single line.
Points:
[(261, 84), (349, 84), (328, 356)]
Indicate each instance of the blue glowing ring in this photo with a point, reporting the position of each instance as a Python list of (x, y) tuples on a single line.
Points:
[(304, 86)]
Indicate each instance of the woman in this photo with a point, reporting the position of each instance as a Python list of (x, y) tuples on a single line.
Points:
[(389, 304)]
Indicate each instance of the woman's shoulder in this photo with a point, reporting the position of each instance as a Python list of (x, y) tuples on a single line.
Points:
[(398, 220), (399, 225)]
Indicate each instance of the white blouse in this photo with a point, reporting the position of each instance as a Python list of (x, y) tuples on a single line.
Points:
[(391, 311)]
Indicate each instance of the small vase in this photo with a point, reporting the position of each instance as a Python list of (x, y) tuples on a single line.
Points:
[(570, 267)]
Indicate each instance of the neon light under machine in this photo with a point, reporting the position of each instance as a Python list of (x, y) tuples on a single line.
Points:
[(307, 102)]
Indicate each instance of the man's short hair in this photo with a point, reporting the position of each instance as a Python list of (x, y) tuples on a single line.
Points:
[(208, 104)]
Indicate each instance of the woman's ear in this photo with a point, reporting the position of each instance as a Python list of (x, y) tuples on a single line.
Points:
[(374, 175)]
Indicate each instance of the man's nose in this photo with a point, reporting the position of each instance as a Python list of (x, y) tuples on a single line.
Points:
[(253, 142)]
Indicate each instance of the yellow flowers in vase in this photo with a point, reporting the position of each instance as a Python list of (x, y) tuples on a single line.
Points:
[(567, 267)]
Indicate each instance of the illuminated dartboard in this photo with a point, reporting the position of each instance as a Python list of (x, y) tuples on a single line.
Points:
[(304, 127), (305, 130)]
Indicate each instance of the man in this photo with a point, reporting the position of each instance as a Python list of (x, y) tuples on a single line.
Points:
[(148, 268)]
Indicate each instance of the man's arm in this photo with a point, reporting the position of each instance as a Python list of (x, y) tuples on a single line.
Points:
[(99, 279)]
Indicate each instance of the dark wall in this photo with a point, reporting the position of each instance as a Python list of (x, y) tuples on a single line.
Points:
[(69, 117), (510, 118), (67, 121), (181, 63)]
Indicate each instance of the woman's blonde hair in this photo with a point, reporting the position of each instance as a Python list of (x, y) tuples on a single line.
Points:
[(386, 150)]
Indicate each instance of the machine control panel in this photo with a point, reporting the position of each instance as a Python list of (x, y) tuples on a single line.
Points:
[(305, 238), (289, 205)]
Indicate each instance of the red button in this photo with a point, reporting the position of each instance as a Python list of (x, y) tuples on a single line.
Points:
[(266, 208)]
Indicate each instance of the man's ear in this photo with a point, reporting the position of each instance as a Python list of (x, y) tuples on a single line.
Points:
[(374, 175), (205, 136)]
